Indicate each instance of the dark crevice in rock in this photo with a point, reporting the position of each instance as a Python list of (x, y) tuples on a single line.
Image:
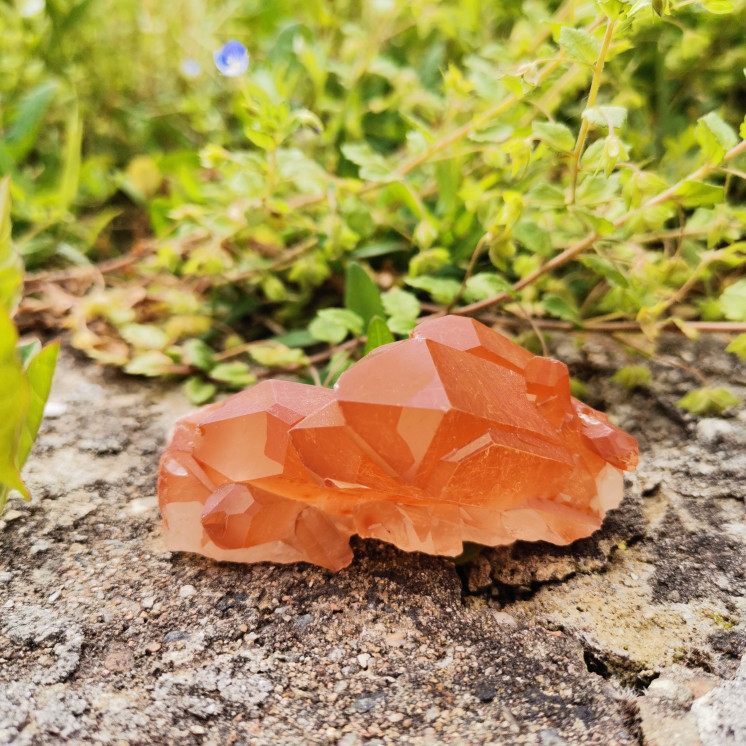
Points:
[(623, 671), (509, 574)]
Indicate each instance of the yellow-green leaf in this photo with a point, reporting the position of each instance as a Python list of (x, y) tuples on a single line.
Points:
[(580, 45), (556, 135), (39, 374), (11, 269), (738, 346), (15, 396), (707, 400), (378, 334)]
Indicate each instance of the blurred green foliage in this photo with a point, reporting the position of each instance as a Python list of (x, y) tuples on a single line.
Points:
[(578, 161), (25, 370)]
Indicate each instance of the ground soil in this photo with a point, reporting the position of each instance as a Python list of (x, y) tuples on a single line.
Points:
[(634, 635)]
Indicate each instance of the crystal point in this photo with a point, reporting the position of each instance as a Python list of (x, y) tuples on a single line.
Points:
[(456, 434)]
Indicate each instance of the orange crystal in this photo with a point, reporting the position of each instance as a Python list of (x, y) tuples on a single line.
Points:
[(456, 434)]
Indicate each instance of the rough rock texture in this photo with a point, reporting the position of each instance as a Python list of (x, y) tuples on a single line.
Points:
[(635, 633)]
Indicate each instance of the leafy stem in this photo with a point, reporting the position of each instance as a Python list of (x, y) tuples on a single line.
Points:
[(586, 243), (592, 95)]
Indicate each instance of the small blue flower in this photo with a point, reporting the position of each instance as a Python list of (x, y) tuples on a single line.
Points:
[(233, 59)]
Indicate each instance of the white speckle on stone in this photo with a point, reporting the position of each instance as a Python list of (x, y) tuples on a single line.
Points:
[(141, 505), (54, 409), (363, 659), (664, 688), (720, 714), (712, 429), (336, 654), (187, 590), (350, 739), (147, 603)]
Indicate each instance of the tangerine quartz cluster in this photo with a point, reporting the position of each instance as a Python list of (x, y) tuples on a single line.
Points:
[(456, 434)]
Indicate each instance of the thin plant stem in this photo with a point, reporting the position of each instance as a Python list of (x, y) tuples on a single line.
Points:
[(478, 249), (584, 125)]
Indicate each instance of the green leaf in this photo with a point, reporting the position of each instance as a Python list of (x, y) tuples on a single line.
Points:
[(546, 195), (494, 133), (738, 346), (533, 237), (332, 325), (425, 234), (11, 268), (632, 377), (39, 373), (442, 289), (485, 285), (580, 45), (71, 160), (373, 167), (15, 396), (260, 139), (144, 336), (733, 301), (708, 401), (720, 7), (603, 116), (235, 373), (615, 8), (378, 334), (699, 194), (151, 364), (197, 354), (400, 304), (401, 325), (605, 268), (274, 354), (295, 338), (383, 248), (559, 307), (429, 261), (600, 224), (715, 136), (24, 131), (361, 293), (557, 136), (198, 391), (501, 248)]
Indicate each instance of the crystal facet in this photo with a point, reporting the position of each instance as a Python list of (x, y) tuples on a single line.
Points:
[(456, 434)]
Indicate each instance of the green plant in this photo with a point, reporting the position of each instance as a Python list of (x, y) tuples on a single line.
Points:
[(25, 370), (575, 164)]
